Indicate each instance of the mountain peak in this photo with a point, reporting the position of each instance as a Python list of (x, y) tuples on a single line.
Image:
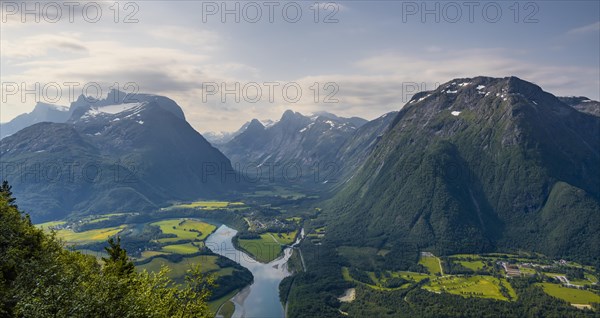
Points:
[(290, 114), (255, 124)]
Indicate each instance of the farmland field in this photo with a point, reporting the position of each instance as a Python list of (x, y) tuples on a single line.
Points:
[(285, 238), (208, 205), (50, 224), (264, 249), (472, 286), (187, 248), (432, 264), (96, 235), (472, 265), (572, 295), (179, 269), (184, 229)]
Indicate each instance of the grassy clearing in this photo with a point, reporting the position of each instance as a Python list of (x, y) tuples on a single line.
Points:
[(178, 270), (591, 278), (90, 236), (269, 246), (183, 249), (412, 276), (50, 224), (184, 229), (379, 284), (208, 205), (572, 295), (431, 263), (471, 286), (264, 249), (527, 271), (471, 256), (472, 265), (285, 238), (346, 274)]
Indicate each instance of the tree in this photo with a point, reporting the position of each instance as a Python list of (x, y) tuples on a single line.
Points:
[(40, 278), (118, 262), (6, 193)]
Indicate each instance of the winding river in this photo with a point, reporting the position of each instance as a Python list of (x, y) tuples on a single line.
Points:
[(261, 298)]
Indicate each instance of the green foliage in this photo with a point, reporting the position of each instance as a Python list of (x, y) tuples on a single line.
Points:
[(6, 193), (39, 278), (118, 263)]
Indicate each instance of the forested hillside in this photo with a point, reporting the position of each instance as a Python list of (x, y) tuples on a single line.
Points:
[(40, 278)]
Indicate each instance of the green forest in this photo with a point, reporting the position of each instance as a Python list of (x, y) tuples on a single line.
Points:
[(41, 278)]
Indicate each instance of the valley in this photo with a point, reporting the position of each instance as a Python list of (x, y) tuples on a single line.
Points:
[(187, 234), (441, 209)]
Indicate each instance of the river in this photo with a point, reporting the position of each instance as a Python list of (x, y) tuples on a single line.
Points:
[(261, 298)]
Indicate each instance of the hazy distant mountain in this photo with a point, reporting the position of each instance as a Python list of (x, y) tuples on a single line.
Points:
[(41, 113), (478, 164), (582, 104), (294, 145), (109, 156)]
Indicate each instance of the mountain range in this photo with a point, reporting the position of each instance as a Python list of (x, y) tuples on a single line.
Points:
[(479, 164), (112, 154)]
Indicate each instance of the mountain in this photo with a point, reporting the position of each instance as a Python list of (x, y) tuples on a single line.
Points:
[(123, 156), (353, 153), (294, 147), (42, 112), (220, 138), (582, 104), (479, 164)]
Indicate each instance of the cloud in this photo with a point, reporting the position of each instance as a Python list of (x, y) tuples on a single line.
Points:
[(594, 27), (40, 45)]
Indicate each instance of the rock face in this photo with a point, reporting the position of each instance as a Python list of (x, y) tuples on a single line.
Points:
[(295, 147), (478, 164), (112, 155)]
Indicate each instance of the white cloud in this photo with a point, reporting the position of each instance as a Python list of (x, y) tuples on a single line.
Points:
[(594, 27)]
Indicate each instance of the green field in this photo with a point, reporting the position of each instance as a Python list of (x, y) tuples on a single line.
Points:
[(431, 263), (591, 278), (471, 286), (416, 277), (178, 270), (377, 283), (572, 295), (90, 236), (184, 229), (208, 205), (186, 248), (264, 249), (284, 238), (472, 265), (269, 246), (50, 224)]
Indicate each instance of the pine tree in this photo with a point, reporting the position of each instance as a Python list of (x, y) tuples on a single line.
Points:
[(118, 263), (6, 193)]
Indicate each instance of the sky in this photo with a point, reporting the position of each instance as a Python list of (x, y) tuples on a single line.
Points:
[(227, 62)]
